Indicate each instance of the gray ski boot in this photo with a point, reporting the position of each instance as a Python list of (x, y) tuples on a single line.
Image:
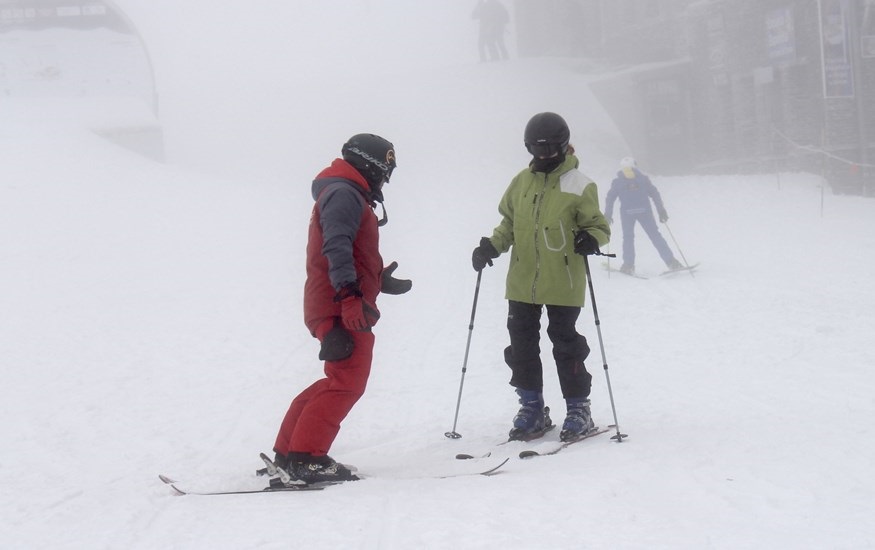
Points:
[(578, 422)]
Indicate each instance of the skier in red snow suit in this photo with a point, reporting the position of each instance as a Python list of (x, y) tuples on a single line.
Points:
[(344, 275)]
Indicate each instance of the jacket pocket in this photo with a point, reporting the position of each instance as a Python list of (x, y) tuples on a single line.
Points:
[(554, 237)]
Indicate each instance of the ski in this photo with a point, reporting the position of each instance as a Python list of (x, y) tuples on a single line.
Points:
[(610, 269), (519, 437), (488, 472), (277, 486), (466, 456), (680, 269), (179, 491), (564, 444), (491, 468)]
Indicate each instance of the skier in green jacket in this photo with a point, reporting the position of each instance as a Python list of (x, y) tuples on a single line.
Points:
[(550, 217)]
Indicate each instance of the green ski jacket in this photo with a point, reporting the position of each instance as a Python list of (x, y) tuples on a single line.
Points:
[(540, 214)]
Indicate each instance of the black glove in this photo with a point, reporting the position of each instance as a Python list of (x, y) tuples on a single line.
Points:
[(391, 285), (663, 216), (585, 244), (337, 344), (483, 254)]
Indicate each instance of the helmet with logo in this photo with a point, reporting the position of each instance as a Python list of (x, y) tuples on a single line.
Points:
[(628, 162), (547, 134), (372, 156)]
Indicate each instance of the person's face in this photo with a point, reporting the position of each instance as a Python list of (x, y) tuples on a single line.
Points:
[(544, 150)]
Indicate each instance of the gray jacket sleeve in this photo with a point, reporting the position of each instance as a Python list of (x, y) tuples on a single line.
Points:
[(340, 208)]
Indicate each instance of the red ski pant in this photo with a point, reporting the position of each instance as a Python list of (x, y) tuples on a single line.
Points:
[(313, 419)]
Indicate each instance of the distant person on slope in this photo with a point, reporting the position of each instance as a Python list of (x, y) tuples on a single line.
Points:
[(493, 20), (635, 190), (550, 217), (344, 275)]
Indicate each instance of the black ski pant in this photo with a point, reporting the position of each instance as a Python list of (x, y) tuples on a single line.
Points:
[(570, 349)]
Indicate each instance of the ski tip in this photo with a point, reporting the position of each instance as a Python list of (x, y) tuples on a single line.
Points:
[(687, 268), (172, 484), (494, 470), (466, 456)]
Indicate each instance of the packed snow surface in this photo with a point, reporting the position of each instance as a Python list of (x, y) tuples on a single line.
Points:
[(151, 323)]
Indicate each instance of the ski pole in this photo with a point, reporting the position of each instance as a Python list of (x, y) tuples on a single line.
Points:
[(598, 325), (454, 434), (681, 252)]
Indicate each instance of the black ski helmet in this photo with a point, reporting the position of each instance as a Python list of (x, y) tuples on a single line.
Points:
[(546, 134), (371, 155)]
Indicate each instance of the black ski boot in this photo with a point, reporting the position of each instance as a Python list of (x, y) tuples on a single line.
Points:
[(309, 469)]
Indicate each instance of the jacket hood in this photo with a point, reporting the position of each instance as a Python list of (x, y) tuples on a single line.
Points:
[(340, 169)]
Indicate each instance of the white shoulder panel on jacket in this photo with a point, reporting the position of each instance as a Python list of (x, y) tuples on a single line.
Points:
[(574, 181)]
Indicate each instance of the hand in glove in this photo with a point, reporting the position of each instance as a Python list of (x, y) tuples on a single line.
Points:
[(483, 254), (355, 312), (336, 342), (663, 216), (391, 285), (585, 244)]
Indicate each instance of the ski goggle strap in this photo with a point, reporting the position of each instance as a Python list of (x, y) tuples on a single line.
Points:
[(385, 219)]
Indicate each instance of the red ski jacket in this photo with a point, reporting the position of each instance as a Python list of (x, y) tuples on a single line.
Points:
[(343, 242)]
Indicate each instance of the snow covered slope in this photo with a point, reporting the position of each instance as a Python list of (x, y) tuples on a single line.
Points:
[(151, 323)]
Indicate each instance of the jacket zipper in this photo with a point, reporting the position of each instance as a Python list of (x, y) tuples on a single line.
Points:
[(538, 199)]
